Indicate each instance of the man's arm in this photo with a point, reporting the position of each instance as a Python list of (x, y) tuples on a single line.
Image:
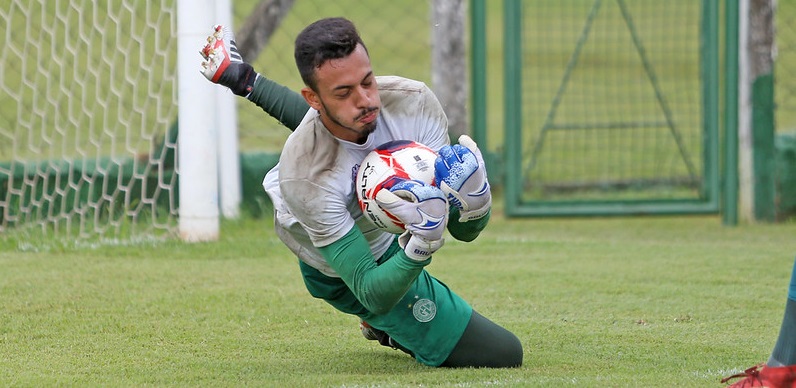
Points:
[(278, 101), (223, 65), (377, 287), (466, 230)]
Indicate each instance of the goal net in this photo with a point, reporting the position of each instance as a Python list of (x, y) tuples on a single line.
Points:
[(89, 107), (88, 117)]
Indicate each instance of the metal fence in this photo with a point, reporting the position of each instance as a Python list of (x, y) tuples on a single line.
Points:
[(611, 110)]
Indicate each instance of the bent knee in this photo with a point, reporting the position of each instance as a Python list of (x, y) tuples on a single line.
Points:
[(512, 353)]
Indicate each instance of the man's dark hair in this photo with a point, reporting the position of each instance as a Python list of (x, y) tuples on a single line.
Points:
[(330, 38)]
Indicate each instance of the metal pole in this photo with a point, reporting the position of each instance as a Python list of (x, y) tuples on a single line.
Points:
[(730, 206)]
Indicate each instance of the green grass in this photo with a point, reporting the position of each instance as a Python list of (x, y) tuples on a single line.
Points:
[(596, 302)]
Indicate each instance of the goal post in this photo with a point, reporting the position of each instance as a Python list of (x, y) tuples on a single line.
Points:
[(210, 178), (229, 177), (198, 152), (755, 106)]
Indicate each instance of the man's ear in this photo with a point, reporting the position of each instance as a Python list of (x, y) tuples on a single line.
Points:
[(311, 97)]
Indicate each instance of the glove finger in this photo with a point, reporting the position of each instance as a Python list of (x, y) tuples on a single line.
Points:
[(421, 192), (387, 198), (468, 142), (441, 170), (403, 209), (397, 201), (416, 191), (447, 155), (465, 155), (405, 189)]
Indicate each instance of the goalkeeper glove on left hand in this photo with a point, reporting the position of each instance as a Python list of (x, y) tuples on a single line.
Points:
[(460, 172), (423, 210), (224, 65)]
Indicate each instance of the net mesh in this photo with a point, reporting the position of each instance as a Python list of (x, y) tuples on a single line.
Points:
[(88, 104), (87, 97)]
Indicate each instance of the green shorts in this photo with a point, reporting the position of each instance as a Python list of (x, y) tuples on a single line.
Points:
[(429, 320)]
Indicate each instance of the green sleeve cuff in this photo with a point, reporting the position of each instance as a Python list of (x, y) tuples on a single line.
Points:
[(278, 101), (466, 231)]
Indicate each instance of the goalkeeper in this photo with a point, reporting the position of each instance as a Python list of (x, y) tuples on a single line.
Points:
[(343, 112)]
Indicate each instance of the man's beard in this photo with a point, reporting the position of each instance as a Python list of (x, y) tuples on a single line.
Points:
[(364, 132)]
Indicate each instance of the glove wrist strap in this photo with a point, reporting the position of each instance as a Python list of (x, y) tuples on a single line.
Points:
[(239, 79), (418, 249), (475, 214)]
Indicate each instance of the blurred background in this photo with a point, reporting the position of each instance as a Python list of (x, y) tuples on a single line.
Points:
[(585, 107)]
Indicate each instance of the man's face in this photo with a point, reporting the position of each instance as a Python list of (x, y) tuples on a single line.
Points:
[(347, 96)]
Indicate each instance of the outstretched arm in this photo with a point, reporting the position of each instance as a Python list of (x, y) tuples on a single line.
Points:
[(278, 101), (223, 65)]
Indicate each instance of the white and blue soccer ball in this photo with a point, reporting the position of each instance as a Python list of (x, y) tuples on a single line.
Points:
[(385, 166)]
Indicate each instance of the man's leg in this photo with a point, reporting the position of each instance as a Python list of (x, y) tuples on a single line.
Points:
[(427, 323), (485, 344), (780, 370), (785, 349)]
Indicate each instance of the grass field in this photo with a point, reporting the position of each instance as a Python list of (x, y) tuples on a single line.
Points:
[(619, 302), (596, 302)]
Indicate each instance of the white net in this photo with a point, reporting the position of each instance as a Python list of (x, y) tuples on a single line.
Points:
[(88, 106), (88, 117)]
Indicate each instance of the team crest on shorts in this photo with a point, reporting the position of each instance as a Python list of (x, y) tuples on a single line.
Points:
[(424, 310)]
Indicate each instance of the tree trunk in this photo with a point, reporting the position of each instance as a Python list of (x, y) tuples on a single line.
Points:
[(449, 63), (253, 36)]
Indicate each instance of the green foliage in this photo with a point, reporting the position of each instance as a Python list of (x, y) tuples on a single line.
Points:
[(596, 302)]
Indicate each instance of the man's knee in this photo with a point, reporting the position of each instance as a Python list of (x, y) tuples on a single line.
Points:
[(486, 344)]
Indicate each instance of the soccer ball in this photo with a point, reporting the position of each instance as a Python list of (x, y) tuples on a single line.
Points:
[(385, 166)]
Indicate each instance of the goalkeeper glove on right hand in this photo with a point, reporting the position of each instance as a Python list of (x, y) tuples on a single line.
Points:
[(423, 209), (460, 172), (223, 64)]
